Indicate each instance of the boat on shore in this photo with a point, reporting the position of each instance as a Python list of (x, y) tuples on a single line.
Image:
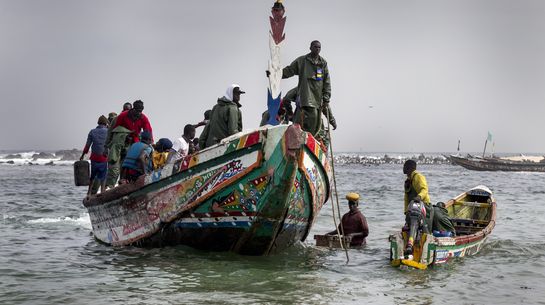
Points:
[(473, 214), (254, 193), (499, 164)]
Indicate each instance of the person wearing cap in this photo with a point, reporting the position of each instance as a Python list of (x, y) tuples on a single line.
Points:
[(134, 120), (96, 140), (225, 118), (313, 89), (138, 159), (353, 222)]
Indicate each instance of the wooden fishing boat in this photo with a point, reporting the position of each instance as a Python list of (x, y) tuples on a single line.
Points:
[(473, 214), (254, 193), (497, 164)]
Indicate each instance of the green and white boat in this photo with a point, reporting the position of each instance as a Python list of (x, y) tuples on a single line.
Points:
[(254, 193)]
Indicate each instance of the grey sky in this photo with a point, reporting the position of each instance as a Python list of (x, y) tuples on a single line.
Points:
[(433, 71)]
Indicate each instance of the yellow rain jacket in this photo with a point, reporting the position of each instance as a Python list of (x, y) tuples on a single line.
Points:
[(418, 187)]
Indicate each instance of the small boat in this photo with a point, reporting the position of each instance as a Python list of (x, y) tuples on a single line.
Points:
[(253, 193), (499, 164), (473, 214)]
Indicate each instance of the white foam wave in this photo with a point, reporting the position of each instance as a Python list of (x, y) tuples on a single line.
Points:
[(82, 221)]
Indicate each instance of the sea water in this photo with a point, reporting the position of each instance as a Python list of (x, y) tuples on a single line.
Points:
[(48, 254)]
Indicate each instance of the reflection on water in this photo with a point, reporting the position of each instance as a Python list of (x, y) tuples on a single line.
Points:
[(49, 256)]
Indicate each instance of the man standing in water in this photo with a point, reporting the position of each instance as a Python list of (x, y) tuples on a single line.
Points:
[(353, 223), (313, 89)]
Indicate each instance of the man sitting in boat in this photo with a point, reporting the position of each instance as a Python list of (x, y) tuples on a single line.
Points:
[(184, 145), (353, 222), (225, 119), (161, 151), (138, 159)]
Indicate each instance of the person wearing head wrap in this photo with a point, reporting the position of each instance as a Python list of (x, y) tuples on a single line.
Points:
[(353, 223), (96, 140), (225, 118), (138, 162)]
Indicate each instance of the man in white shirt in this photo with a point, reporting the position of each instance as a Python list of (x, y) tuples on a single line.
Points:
[(184, 145)]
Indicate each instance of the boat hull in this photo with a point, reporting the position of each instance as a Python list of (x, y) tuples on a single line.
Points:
[(494, 164), (254, 193)]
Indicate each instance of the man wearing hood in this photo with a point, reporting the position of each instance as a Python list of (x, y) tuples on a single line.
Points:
[(225, 119)]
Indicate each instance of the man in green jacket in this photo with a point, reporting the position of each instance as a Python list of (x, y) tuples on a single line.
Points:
[(120, 141), (314, 88), (225, 119)]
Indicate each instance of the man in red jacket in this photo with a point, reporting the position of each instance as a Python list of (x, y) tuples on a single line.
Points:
[(134, 120)]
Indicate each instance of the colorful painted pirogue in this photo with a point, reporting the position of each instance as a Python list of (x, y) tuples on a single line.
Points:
[(253, 193), (474, 216)]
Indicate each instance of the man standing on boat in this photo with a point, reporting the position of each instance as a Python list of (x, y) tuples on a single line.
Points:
[(313, 89), (99, 162), (353, 223), (134, 120), (225, 119), (416, 189)]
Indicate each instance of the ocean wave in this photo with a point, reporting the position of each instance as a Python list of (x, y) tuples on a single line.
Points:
[(83, 220)]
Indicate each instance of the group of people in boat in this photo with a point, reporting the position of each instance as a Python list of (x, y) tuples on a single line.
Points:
[(122, 145), (435, 218)]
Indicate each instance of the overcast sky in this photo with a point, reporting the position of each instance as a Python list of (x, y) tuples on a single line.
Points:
[(407, 76)]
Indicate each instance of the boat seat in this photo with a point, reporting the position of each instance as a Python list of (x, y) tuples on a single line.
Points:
[(473, 204), (470, 222)]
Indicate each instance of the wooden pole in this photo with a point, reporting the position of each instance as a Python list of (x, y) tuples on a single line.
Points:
[(341, 240)]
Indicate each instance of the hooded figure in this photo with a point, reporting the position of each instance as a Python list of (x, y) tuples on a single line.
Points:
[(225, 119)]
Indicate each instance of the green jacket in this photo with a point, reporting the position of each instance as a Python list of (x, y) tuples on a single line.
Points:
[(117, 145), (314, 82), (225, 120)]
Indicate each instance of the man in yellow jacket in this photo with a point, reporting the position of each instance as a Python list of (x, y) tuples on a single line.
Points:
[(416, 189)]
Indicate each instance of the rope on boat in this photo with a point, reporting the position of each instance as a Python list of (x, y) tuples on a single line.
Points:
[(341, 240)]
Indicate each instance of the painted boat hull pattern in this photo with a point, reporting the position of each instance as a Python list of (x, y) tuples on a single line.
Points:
[(474, 216), (254, 193)]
